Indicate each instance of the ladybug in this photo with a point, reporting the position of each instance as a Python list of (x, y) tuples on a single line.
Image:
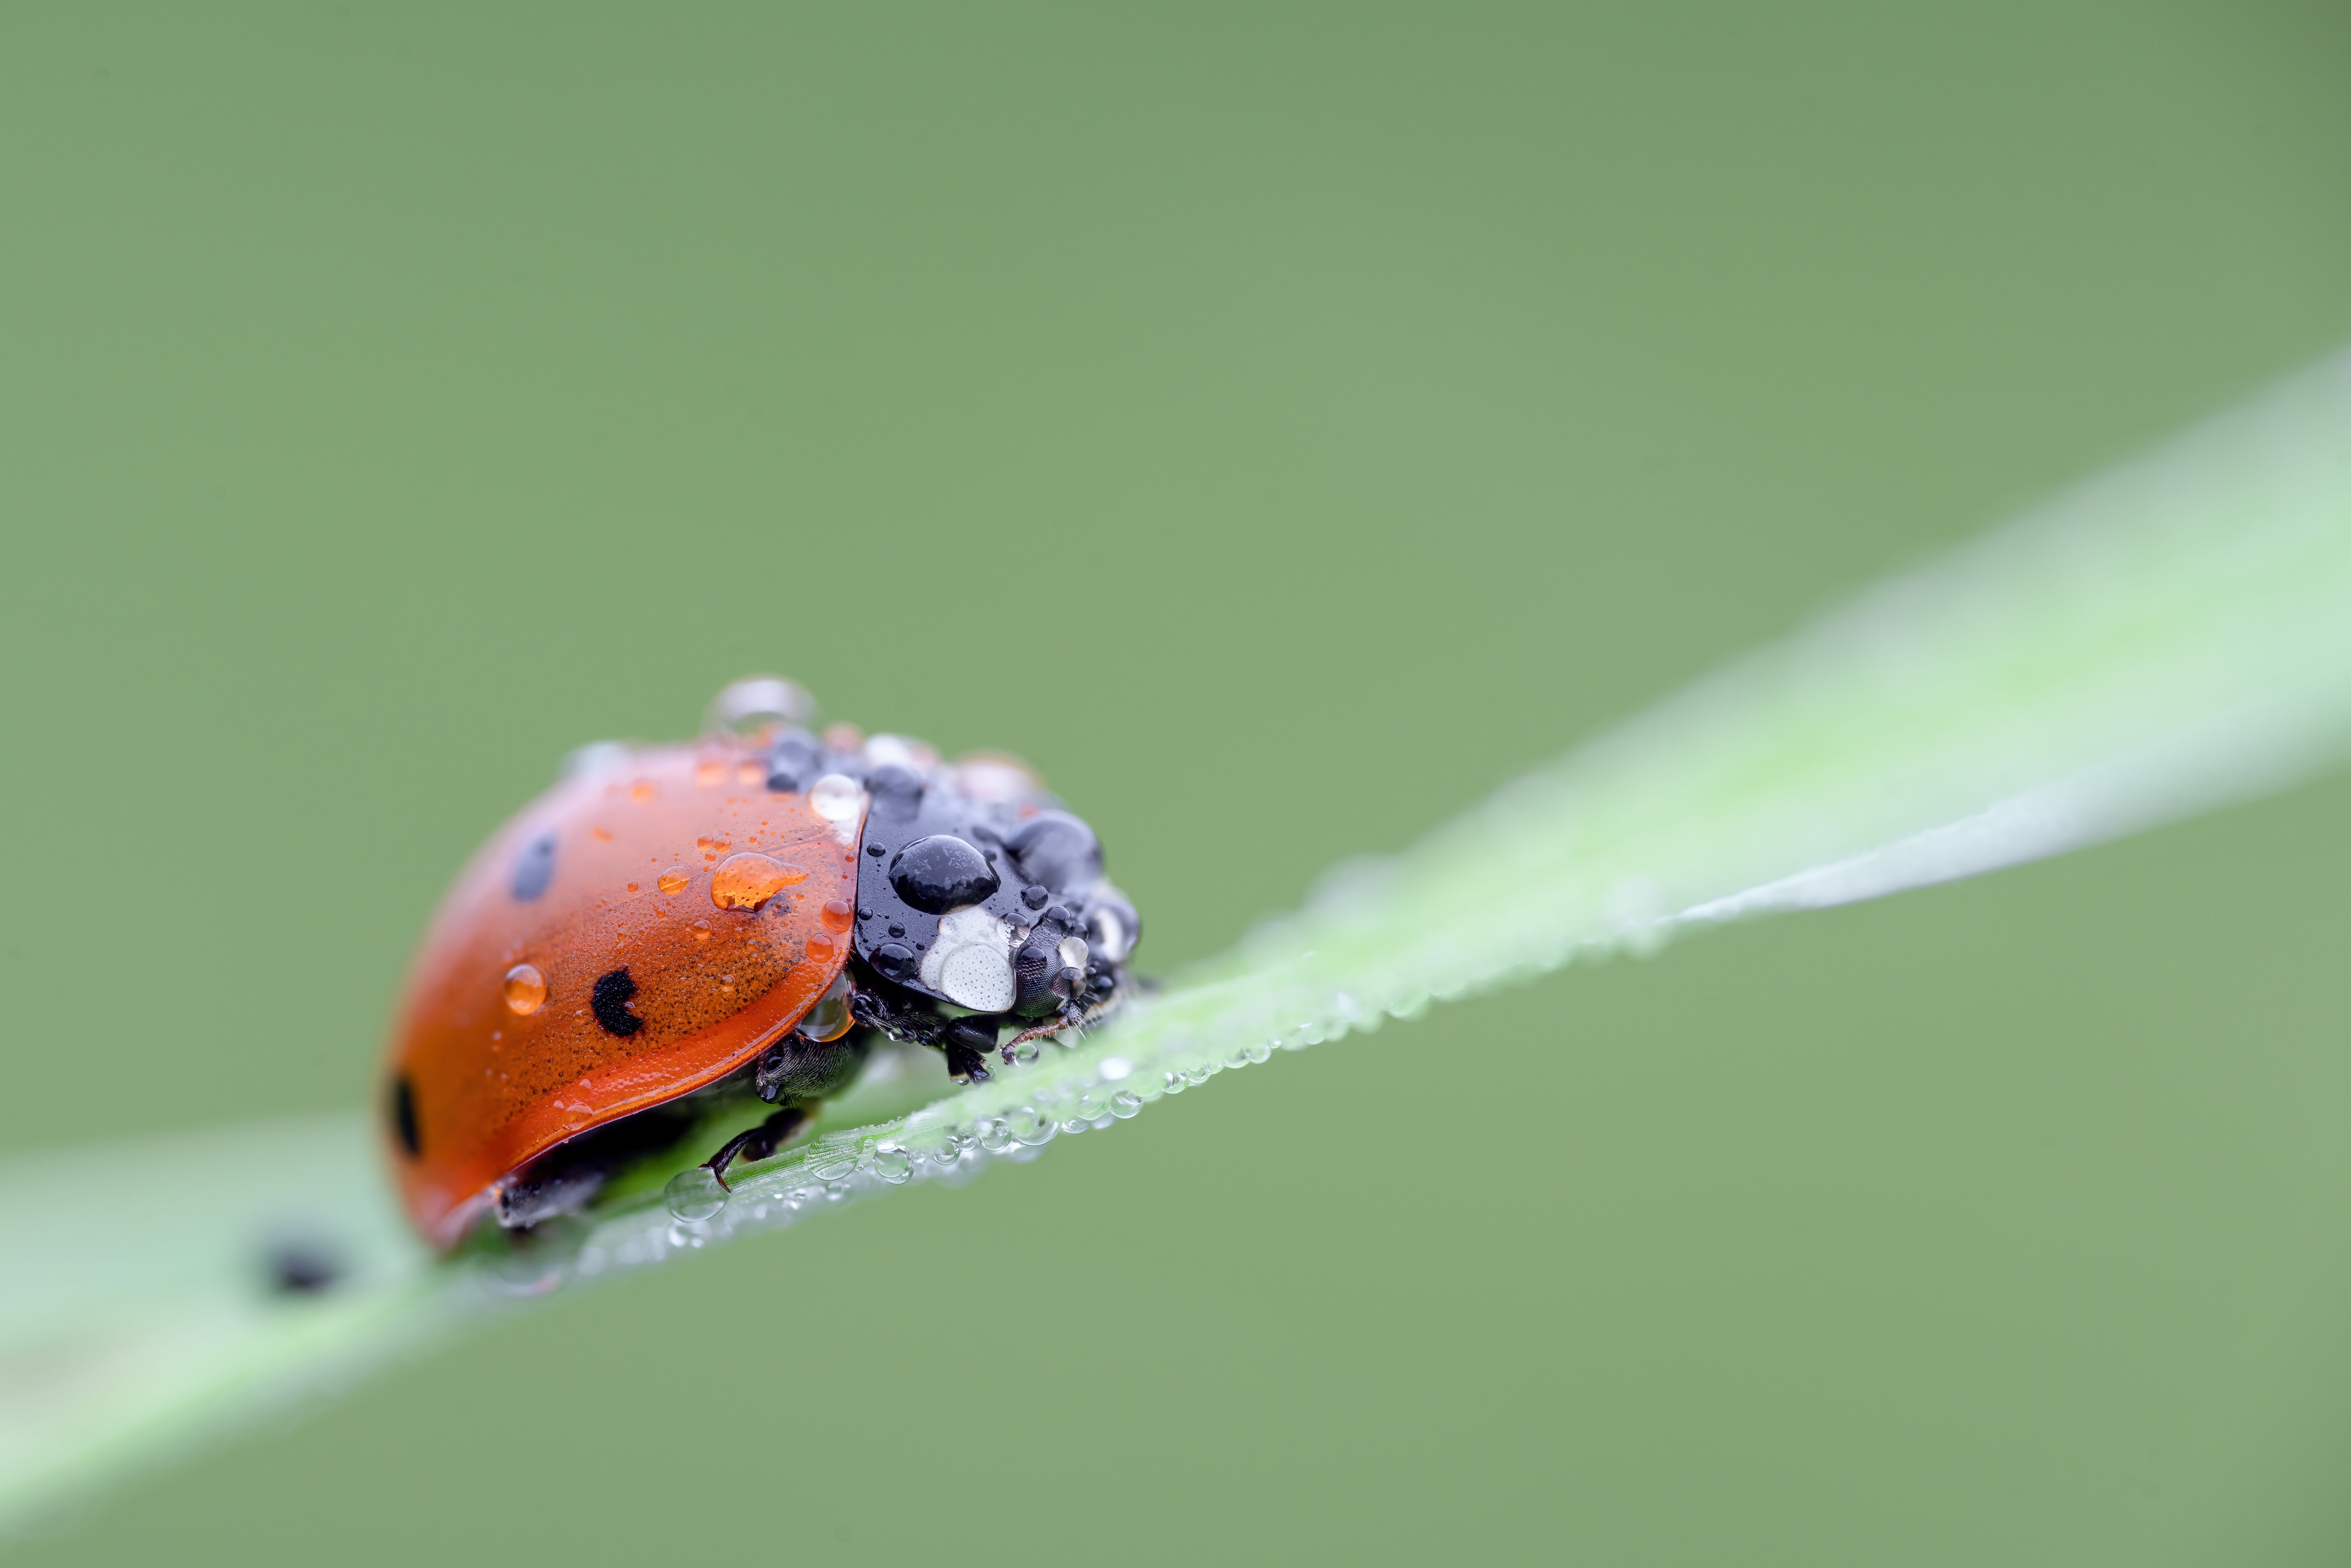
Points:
[(741, 917)]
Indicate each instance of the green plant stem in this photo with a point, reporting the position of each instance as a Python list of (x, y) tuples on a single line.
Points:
[(2170, 636)]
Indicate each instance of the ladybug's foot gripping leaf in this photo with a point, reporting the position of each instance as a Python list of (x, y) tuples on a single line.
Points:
[(759, 1143), (966, 1043)]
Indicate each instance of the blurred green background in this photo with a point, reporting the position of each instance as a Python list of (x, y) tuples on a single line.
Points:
[(1281, 425)]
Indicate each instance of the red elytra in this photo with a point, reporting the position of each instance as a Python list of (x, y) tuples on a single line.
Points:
[(631, 937)]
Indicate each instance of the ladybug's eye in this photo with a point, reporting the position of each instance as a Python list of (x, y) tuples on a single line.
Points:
[(1058, 850), (403, 1116)]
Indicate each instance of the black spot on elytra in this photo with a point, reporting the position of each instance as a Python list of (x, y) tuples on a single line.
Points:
[(610, 1002), (534, 868), (297, 1269), (403, 1116)]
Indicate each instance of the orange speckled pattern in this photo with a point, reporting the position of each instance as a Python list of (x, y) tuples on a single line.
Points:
[(623, 863)]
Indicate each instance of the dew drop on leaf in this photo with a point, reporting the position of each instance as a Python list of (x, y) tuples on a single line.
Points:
[(695, 1195)]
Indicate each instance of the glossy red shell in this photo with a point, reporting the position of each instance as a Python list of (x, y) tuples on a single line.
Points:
[(610, 873)]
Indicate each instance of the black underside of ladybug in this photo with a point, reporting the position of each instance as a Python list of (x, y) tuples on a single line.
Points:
[(983, 921)]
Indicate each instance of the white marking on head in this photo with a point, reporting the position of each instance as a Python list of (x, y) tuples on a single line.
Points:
[(974, 977), (970, 964)]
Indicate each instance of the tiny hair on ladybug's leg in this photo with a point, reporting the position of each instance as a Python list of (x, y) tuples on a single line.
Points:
[(760, 1141)]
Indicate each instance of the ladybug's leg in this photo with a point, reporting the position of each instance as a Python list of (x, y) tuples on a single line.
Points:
[(1099, 996), (759, 1143), (966, 1043)]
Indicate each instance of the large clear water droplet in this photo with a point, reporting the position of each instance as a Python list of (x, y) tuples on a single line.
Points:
[(937, 872), (695, 1195), (757, 702), (828, 1017)]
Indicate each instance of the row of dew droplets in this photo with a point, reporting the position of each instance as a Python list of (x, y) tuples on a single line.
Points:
[(1096, 1094)]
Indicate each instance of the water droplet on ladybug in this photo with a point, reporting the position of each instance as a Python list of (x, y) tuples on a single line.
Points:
[(830, 1019), (836, 798), (710, 770), (674, 880), (594, 760), (936, 873), (749, 880), (525, 989), (835, 916), (823, 949), (894, 959), (695, 1195), (752, 704)]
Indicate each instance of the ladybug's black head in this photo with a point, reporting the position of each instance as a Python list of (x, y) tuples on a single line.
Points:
[(975, 889)]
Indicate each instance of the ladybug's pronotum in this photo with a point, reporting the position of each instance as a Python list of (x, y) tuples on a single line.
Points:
[(741, 916)]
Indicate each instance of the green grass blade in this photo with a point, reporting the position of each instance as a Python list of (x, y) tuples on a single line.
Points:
[(139, 1312), (2171, 636)]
